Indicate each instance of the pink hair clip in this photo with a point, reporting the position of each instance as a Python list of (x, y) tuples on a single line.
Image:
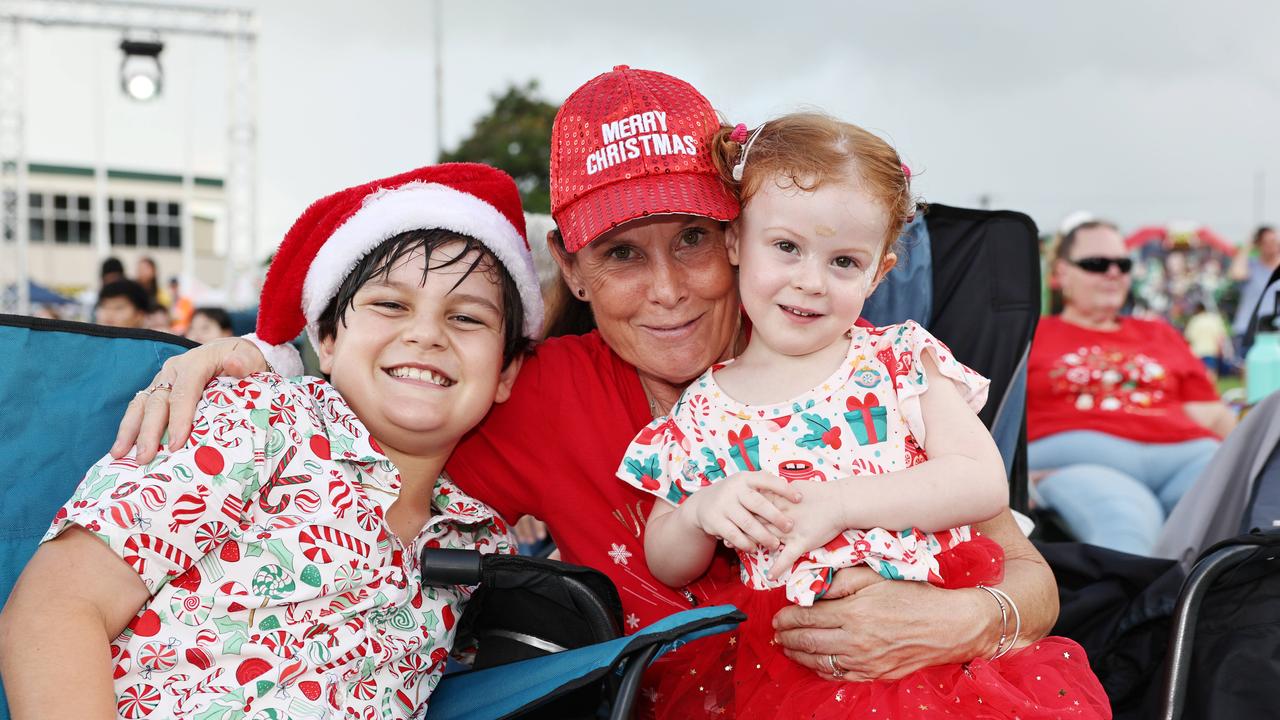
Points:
[(739, 134), (906, 171)]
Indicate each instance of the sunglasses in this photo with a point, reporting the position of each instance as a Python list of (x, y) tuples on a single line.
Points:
[(1100, 265)]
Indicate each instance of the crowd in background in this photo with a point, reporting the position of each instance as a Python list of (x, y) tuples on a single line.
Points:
[(141, 302), (1206, 292)]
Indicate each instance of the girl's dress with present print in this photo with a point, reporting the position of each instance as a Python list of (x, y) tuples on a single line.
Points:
[(865, 418)]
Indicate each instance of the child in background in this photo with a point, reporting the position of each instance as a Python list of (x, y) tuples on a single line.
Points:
[(1206, 333), (809, 452), (209, 324), (269, 568)]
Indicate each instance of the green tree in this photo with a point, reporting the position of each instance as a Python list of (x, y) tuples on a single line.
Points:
[(516, 137)]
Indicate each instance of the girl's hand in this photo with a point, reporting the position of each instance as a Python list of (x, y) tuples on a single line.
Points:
[(736, 510), (181, 381), (814, 521)]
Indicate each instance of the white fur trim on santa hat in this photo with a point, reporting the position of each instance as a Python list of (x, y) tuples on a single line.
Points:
[(283, 358), (415, 206)]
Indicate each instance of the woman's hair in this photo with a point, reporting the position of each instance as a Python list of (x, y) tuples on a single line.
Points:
[(150, 285), (1068, 241), (566, 314), (1262, 230), (1062, 251), (810, 149), (380, 261)]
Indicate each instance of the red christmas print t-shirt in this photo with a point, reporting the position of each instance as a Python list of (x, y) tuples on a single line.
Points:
[(1130, 382)]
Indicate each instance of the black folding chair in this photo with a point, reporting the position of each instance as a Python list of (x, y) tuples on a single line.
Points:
[(1235, 589)]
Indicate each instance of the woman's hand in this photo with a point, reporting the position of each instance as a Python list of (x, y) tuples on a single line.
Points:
[(177, 388), (1214, 415), (879, 629), (737, 510)]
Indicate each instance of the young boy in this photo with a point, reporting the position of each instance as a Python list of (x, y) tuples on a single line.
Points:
[(123, 304), (269, 568)]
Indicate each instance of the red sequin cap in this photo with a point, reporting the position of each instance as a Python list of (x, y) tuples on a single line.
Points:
[(632, 143)]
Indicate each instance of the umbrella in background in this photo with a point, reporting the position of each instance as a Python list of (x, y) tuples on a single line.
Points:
[(39, 294), (1178, 267), (1179, 236)]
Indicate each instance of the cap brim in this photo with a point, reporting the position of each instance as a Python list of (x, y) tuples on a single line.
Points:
[(664, 194)]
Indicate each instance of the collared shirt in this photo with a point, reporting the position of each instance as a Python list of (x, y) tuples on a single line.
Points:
[(278, 588)]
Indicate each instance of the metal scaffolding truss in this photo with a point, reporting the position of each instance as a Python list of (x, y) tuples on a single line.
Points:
[(237, 26)]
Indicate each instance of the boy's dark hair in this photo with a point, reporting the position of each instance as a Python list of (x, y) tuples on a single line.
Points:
[(129, 290), (219, 316), (111, 266), (385, 257)]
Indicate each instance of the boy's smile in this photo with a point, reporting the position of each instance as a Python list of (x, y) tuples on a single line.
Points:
[(420, 362), (420, 374)]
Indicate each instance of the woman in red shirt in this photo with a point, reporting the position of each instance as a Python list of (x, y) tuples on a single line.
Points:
[(1121, 416)]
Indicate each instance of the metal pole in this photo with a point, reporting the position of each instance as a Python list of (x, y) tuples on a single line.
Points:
[(187, 228), (242, 140), (439, 63), (101, 228), (14, 226)]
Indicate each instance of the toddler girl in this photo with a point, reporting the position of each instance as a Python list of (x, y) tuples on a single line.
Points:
[(809, 452)]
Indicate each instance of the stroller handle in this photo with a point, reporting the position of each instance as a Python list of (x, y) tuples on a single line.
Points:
[(444, 566)]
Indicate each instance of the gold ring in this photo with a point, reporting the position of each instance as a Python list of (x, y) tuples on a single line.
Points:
[(165, 386)]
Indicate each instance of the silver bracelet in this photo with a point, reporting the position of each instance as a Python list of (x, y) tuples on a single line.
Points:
[(1004, 622), (264, 355), (1017, 621)]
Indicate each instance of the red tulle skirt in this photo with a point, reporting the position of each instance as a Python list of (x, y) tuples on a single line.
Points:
[(744, 675)]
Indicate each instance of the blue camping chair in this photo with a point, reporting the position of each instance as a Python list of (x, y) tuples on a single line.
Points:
[(63, 389)]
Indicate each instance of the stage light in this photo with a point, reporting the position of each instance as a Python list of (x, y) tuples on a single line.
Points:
[(141, 76)]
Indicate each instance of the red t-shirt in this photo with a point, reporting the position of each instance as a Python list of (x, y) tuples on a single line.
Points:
[(552, 450), (1130, 382)]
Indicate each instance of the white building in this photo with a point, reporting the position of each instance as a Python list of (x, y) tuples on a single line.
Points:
[(144, 218)]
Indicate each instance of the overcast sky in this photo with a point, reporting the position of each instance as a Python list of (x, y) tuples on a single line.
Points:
[(1144, 112)]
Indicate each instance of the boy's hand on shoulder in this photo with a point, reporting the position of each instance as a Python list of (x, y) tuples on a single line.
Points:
[(741, 511), (815, 520)]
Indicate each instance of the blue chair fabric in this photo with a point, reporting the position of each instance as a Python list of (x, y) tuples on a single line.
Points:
[(509, 690), (63, 389)]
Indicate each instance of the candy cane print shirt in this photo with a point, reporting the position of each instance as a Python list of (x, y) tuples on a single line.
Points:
[(278, 588), (865, 419)]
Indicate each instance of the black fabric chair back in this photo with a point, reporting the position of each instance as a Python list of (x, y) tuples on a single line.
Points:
[(986, 303)]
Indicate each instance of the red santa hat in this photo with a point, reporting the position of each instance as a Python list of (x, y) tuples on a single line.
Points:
[(326, 243)]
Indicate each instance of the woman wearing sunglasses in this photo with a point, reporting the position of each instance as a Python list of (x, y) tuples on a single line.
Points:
[(1121, 416)]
